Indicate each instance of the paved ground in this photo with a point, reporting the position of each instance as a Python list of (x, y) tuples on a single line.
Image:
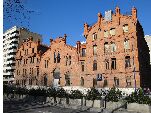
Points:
[(14, 106)]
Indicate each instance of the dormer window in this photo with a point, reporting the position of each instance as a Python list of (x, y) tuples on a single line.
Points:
[(94, 36), (125, 28), (112, 31)]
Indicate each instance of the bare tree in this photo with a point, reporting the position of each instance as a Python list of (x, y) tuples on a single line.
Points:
[(16, 12)]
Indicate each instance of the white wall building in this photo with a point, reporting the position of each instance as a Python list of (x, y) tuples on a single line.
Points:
[(148, 40), (12, 39)]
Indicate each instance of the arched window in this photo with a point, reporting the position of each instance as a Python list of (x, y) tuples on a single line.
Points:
[(94, 65)]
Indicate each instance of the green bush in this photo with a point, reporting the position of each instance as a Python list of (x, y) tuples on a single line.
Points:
[(114, 95), (138, 97), (93, 94), (76, 94), (51, 92), (37, 92), (21, 91), (61, 93)]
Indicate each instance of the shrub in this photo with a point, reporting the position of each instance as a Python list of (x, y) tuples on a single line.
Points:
[(21, 91), (37, 92), (93, 94), (61, 93), (114, 95), (76, 94), (138, 97)]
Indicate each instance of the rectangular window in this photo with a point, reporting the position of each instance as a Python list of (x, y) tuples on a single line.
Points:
[(25, 71), (94, 65), (37, 60), (54, 57), (116, 81), (106, 47), (45, 64), (66, 60), (32, 50), (30, 59), (106, 34), (69, 60), (33, 59), (82, 66), (128, 81), (27, 51), (37, 71), (113, 65), (26, 61), (94, 36), (107, 64), (32, 70), (113, 47), (127, 61), (95, 50), (83, 52), (126, 44)]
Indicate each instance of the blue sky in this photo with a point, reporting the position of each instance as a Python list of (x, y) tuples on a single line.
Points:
[(53, 18)]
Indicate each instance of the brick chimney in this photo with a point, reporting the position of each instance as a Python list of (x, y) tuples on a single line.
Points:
[(65, 37), (78, 46), (117, 12), (99, 19), (134, 13), (85, 29)]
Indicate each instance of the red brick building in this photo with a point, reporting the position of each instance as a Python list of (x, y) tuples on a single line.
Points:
[(115, 54), (28, 58)]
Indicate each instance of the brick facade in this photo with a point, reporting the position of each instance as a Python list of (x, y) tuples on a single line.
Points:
[(28, 58), (115, 54)]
